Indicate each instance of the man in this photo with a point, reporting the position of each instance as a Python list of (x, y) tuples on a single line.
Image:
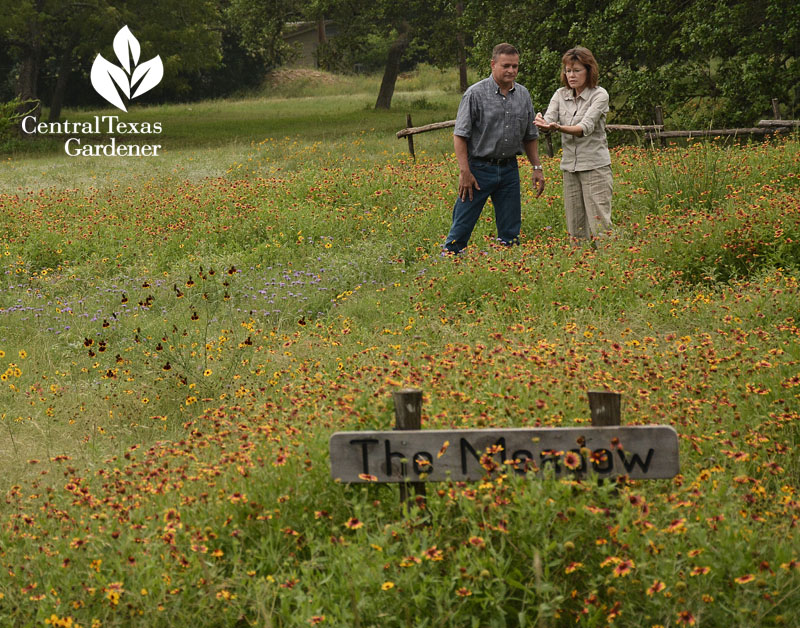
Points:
[(494, 124)]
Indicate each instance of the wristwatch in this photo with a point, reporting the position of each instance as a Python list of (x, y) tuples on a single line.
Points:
[(537, 167)]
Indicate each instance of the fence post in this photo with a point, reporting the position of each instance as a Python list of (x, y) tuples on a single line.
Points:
[(776, 109), (549, 143), (410, 140), (660, 121), (408, 416), (605, 408)]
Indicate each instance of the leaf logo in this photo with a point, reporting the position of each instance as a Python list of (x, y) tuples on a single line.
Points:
[(110, 80)]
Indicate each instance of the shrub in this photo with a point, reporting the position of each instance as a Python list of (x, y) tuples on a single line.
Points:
[(11, 113)]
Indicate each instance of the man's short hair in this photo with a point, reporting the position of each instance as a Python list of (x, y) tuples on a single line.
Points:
[(504, 49)]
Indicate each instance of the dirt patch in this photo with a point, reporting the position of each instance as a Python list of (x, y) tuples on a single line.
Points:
[(287, 76)]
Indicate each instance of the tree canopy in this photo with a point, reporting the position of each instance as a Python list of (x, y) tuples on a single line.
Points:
[(704, 61), (51, 41)]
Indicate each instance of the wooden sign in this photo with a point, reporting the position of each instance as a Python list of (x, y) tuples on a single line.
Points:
[(638, 452)]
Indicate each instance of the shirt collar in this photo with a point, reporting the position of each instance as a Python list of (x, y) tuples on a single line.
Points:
[(497, 87), (585, 94)]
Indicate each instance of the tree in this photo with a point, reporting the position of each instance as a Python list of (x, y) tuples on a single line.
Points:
[(26, 29), (71, 46), (446, 41), (705, 61), (187, 34), (50, 40), (260, 25), (461, 48), (404, 26), (403, 36)]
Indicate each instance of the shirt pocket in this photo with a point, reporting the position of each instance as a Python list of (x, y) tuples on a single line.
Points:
[(571, 116)]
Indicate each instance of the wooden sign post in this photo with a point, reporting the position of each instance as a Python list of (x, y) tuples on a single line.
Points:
[(408, 416), (605, 449), (605, 408)]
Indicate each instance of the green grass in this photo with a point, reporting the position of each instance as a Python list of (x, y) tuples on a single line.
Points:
[(180, 338), (423, 82), (205, 139)]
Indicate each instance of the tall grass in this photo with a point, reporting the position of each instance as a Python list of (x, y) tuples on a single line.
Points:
[(715, 189)]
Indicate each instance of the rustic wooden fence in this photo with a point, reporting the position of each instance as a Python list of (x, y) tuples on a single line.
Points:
[(650, 132)]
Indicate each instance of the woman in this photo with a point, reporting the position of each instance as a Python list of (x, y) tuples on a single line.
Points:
[(578, 111)]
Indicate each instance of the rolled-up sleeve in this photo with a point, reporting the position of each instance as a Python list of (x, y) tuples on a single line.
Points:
[(551, 115), (463, 126), (597, 108), (531, 130)]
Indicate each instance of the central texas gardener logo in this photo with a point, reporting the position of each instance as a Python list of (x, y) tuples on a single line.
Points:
[(112, 81)]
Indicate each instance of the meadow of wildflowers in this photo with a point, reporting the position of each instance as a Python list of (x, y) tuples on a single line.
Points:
[(175, 353)]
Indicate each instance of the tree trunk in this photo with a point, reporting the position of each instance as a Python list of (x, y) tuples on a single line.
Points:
[(462, 63), (27, 83), (322, 37), (322, 40), (28, 79), (462, 52), (64, 69), (392, 70)]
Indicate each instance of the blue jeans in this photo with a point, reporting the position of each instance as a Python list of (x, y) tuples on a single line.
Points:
[(501, 183)]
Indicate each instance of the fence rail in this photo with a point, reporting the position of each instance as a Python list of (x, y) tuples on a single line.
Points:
[(609, 127), (764, 127), (780, 123), (651, 132)]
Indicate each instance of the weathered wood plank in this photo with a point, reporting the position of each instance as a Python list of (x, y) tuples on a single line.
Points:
[(410, 138), (715, 132), (605, 407), (450, 123), (659, 117), (408, 417), (640, 452), (644, 128), (427, 127), (778, 123), (408, 408)]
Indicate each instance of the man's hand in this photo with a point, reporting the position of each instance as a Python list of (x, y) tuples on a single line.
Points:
[(538, 182), (466, 181)]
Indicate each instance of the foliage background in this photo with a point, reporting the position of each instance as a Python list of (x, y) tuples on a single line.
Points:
[(707, 63)]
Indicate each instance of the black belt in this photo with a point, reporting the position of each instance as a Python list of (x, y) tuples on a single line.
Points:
[(505, 161)]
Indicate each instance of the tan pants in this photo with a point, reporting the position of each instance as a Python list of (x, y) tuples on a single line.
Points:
[(587, 202)]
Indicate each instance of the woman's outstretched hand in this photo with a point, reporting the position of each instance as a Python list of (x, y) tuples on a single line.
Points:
[(542, 124)]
